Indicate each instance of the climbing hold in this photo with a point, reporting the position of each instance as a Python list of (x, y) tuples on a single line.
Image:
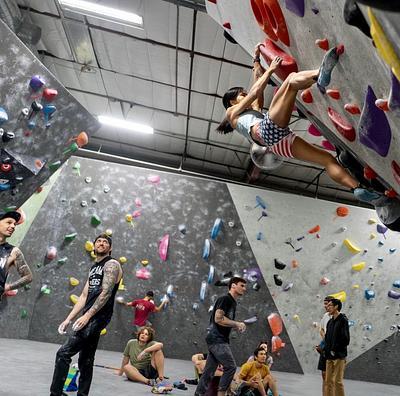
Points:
[(89, 246), (36, 83), (122, 260), (382, 104), (322, 43), (275, 323), (372, 221), (143, 274), (106, 189), (260, 203), (324, 281), (315, 9), (354, 17), (343, 229), (154, 179), (394, 294), (380, 259), (391, 193), (136, 214), (295, 6), (315, 229), (88, 179), (120, 300), (195, 306), (3, 116), (381, 229), (103, 332), (70, 237), (342, 211), (238, 243), (351, 246), (394, 96), (330, 60), (278, 280), (288, 65), (206, 249), (306, 96), (279, 265), (54, 166), (312, 130), (216, 228), (72, 148), (373, 128), (73, 281), (381, 243), (263, 214), (211, 274), (231, 224), (369, 173), (170, 291), (203, 289), (138, 202), (396, 171), (369, 294), (128, 218), (327, 145), (351, 323), (48, 112), (356, 286), (23, 313), (256, 286), (77, 168), (163, 247), (93, 255), (51, 253), (108, 231), (396, 283), (367, 327), (182, 228), (95, 220), (383, 45), (45, 289), (62, 260), (342, 125), (49, 94), (277, 344), (352, 108), (358, 266), (340, 296), (227, 25), (296, 317), (83, 204), (333, 93), (288, 286), (121, 285), (144, 262)]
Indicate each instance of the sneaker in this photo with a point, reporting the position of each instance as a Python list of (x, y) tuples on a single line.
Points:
[(152, 382), (192, 381), (362, 194), (161, 389)]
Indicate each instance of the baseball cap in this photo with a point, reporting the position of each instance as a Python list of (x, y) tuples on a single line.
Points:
[(12, 213)]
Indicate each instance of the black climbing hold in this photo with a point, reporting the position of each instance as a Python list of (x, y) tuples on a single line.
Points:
[(279, 265), (256, 286), (278, 280), (229, 37), (7, 136), (354, 17)]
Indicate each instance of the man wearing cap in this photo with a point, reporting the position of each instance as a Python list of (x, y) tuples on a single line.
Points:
[(143, 308), (96, 303), (11, 256)]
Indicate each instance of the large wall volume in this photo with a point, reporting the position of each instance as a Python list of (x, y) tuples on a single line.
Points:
[(39, 142), (159, 207), (301, 32)]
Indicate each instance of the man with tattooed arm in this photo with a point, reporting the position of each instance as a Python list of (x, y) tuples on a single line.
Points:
[(11, 256), (96, 303)]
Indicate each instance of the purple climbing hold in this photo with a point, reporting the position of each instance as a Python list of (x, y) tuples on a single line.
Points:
[(36, 83), (296, 6), (374, 128), (394, 97), (381, 229), (393, 294)]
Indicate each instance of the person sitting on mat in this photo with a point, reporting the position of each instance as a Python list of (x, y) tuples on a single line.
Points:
[(243, 113), (199, 361), (270, 361)]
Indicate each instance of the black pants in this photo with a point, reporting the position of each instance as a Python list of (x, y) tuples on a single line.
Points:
[(85, 342)]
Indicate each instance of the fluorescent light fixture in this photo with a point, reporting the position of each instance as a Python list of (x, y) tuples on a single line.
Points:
[(132, 126), (102, 12)]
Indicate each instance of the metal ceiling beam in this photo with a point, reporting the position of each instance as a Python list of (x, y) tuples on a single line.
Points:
[(198, 5)]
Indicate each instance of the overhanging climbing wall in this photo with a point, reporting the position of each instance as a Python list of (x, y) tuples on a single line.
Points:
[(41, 123), (361, 109)]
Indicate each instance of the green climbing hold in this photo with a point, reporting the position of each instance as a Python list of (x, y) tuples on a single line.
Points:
[(27, 287), (38, 265), (24, 313), (10, 208), (77, 168), (70, 237), (54, 165), (62, 260), (45, 289), (71, 149), (95, 220)]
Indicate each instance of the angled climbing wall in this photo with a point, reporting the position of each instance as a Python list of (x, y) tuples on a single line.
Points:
[(361, 108), (41, 123)]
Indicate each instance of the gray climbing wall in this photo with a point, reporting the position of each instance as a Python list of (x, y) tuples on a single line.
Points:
[(319, 255), (173, 201), (361, 76), (34, 148)]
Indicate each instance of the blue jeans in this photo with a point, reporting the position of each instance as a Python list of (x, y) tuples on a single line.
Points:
[(217, 354)]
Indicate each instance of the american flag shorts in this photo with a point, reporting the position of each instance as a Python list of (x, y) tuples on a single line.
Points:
[(278, 140)]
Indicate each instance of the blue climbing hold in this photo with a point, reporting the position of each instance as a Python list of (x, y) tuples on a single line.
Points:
[(206, 249), (396, 283), (211, 274), (369, 294), (216, 228), (3, 116), (260, 202)]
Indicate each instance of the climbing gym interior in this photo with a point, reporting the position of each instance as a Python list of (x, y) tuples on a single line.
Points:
[(108, 121)]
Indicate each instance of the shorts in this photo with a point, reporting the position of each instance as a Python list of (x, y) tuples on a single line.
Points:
[(149, 372), (278, 140), (322, 363)]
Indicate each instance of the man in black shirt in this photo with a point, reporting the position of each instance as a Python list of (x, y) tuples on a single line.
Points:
[(219, 352), (337, 338), (97, 303)]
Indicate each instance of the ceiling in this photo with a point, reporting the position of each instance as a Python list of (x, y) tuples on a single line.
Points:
[(170, 75)]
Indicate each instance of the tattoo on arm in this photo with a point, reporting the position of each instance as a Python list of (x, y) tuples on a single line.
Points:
[(111, 272), (219, 316), (23, 271), (222, 320)]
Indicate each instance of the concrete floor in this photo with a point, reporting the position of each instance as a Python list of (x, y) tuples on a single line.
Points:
[(26, 368)]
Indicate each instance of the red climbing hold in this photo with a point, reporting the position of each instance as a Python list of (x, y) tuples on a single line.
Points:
[(314, 229), (382, 104), (352, 108), (322, 43), (288, 65), (396, 171), (369, 173), (340, 49), (333, 93), (213, 1), (327, 145), (5, 167), (312, 130), (306, 96), (391, 193), (342, 125), (227, 25)]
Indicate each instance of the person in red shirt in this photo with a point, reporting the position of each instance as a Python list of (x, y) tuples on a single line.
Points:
[(143, 308)]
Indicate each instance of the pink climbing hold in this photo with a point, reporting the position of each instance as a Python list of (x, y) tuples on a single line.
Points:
[(136, 214), (51, 253), (227, 25), (154, 179), (312, 130), (333, 93), (342, 125), (396, 171), (138, 202), (213, 1), (382, 104), (306, 96), (143, 274), (322, 43), (352, 108), (163, 247), (327, 145)]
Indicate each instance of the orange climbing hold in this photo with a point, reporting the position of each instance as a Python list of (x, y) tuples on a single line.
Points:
[(314, 229), (288, 65), (352, 108), (342, 211), (342, 125), (306, 96), (382, 104), (369, 173), (333, 93), (322, 43)]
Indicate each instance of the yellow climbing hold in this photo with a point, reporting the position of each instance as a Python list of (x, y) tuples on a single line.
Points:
[(145, 262), (372, 221), (74, 298), (103, 332), (340, 296), (359, 266), (383, 46), (372, 236), (121, 285), (356, 286), (108, 232), (73, 281), (123, 260), (296, 317), (128, 218), (93, 255), (89, 247), (350, 245)]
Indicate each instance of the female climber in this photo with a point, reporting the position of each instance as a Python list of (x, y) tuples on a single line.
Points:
[(243, 113)]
